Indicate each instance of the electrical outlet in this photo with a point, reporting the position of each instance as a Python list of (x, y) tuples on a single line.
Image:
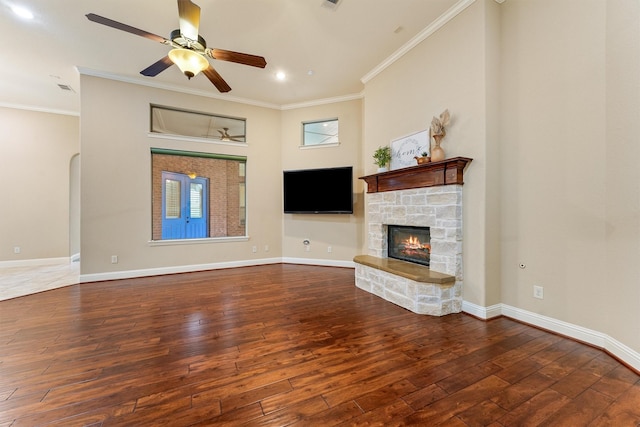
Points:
[(266, 248), (254, 249), (16, 249), (538, 292), (114, 259), (329, 249), (307, 248)]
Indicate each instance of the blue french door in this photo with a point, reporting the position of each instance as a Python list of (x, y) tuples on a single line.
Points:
[(184, 206)]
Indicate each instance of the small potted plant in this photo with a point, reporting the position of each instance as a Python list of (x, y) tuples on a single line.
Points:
[(423, 158), (382, 157)]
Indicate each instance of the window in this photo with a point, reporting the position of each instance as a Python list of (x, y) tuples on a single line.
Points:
[(320, 132), (194, 124), (197, 195)]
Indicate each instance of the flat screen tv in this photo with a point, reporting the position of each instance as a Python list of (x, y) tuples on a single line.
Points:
[(318, 191)]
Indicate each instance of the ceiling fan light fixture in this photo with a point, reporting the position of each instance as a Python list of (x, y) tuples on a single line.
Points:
[(189, 62)]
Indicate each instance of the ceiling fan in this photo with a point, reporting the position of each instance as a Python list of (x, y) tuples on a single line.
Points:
[(224, 136), (189, 49)]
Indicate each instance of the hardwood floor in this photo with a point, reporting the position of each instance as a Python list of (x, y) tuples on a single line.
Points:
[(288, 345)]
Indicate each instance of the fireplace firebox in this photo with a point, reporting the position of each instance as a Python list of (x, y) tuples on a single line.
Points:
[(409, 243)]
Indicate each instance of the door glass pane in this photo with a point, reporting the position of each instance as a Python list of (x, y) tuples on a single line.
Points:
[(243, 207), (172, 199), (196, 200)]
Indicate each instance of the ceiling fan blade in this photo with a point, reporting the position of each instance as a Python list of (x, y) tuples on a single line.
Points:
[(240, 58), (216, 79), (124, 27), (157, 67), (189, 19)]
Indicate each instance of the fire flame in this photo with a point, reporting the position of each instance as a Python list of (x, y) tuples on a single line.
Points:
[(414, 243)]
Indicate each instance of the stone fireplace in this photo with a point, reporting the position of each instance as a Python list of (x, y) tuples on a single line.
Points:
[(424, 197)]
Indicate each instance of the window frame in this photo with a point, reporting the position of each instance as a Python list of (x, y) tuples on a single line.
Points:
[(242, 160), (201, 119), (333, 140)]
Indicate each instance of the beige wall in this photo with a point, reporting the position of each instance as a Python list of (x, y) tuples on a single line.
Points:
[(116, 172), (35, 161), (570, 192), (343, 233), (622, 174), (116, 190)]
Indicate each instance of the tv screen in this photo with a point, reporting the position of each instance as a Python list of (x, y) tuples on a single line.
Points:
[(316, 191)]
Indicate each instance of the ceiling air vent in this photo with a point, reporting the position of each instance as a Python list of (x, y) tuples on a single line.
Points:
[(66, 87), (331, 4)]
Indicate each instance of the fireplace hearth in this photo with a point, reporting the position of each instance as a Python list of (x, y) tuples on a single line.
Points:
[(412, 244)]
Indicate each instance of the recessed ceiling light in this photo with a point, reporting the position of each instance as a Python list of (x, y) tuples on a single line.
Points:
[(22, 12), (280, 75), (310, 73)]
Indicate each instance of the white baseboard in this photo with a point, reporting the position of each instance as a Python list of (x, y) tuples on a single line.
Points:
[(480, 311), (595, 338), (129, 274), (321, 262), (34, 262)]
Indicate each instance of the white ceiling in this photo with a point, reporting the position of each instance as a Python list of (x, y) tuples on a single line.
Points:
[(339, 45)]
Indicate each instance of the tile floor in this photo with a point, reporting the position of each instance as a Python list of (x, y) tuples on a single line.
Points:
[(20, 281)]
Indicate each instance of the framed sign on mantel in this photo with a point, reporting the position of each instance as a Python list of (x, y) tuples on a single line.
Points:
[(405, 149)]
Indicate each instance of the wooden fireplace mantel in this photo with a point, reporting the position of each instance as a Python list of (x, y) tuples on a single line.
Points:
[(445, 172)]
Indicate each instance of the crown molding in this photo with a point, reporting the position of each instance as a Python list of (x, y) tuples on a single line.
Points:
[(173, 88), (420, 37), (324, 101), (39, 109)]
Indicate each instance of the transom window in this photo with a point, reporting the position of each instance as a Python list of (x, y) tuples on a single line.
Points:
[(320, 132), (195, 124)]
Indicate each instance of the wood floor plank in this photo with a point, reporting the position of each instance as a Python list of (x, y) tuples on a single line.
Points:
[(384, 395), (523, 390), (288, 344), (424, 396), (390, 415), (449, 407), (343, 413), (580, 411), (535, 410), (622, 412), (482, 414)]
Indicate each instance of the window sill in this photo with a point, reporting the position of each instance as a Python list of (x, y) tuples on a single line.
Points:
[(308, 147), (173, 242), (195, 139)]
